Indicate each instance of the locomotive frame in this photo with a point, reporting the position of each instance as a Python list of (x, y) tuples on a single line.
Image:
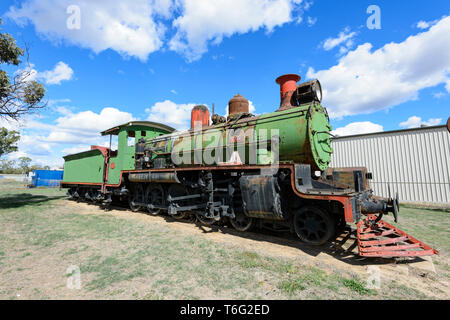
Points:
[(287, 196)]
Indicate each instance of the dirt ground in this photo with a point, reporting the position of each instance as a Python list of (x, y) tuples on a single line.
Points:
[(126, 255), (410, 272)]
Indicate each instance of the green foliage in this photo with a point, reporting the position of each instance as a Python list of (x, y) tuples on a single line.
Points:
[(8, 140), (357, 286), (19, 95), (24, 164), (18, 167), (8, 166), (292, 286), (9, 51)]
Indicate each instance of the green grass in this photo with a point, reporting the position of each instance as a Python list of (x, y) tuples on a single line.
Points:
[(126, 257), (430, 226), (358, 286)]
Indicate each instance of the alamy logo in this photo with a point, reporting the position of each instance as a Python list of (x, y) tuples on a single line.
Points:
[(73, 277), (374, 20), (73, 22), (374, 279)]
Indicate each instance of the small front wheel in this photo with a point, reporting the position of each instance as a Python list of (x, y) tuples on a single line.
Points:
[(313, 225), (136, 197), (241, 222), (133, 207), (155, 196), (205, 221)]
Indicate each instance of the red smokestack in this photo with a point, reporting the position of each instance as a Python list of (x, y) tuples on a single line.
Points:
[(288, 85), (201, 114)]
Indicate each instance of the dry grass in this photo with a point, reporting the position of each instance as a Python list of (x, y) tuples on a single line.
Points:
[(124, 255)]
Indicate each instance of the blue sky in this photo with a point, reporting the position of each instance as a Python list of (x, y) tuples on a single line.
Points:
[(154, 60)]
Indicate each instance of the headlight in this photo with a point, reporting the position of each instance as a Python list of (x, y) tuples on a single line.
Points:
[(309, 91)]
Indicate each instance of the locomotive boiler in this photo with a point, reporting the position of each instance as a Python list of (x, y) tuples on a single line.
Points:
[(251, 171), (298, 132)]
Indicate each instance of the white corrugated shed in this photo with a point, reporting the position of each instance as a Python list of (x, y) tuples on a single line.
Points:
[(414, 162)]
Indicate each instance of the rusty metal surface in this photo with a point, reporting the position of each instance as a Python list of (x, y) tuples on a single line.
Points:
[(288, 85), (345, 177), (260, 197), (238, 104), (200, 114), (380, 239), (157, 177)]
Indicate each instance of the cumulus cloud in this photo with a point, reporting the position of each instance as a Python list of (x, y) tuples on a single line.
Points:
[(75, 149), (358, 128), (73, 132), (416, 122), (204, 21), (131, 30), (171, 113), (85, 125), (365, 81), (62, 71), (343, 37), (139, 28), (425, 24)]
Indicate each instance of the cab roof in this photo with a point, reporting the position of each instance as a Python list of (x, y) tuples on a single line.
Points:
[(149, 124)]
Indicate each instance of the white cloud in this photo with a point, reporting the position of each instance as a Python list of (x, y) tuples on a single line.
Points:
[(141, 27), (172, 114), (61, 72), (311, 21), (46, 143), (131, 30), (32, 145), (416, 122), (438, 95), (84, 125), (53, 102), (425, 25), (204, 21), (358, 128), (366, 81), (76, 149), (343, 37)]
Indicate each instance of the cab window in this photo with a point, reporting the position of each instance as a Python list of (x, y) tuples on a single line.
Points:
[(131, 138)]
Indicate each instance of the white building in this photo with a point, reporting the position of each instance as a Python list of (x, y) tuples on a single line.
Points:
[(414, 162)]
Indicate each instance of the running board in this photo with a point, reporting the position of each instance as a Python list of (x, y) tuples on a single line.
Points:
[(380, 239)]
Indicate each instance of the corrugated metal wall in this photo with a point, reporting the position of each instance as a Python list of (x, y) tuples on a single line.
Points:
[(414, 162)]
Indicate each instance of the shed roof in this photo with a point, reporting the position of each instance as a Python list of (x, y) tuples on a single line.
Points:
[(150, 124), (388, 132)]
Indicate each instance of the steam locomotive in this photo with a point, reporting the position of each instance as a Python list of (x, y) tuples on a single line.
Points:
[(252, 171)]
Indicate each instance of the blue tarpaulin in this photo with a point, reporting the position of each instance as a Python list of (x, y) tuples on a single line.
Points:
[(46, 178)]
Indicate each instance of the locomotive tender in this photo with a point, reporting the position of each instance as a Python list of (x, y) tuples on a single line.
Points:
[(267, 171)]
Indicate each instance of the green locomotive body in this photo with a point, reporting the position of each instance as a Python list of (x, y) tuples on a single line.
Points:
[(302, 135), (267, 171)]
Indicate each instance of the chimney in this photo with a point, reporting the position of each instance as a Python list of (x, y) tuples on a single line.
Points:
[(200, 114), (288, 85)]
